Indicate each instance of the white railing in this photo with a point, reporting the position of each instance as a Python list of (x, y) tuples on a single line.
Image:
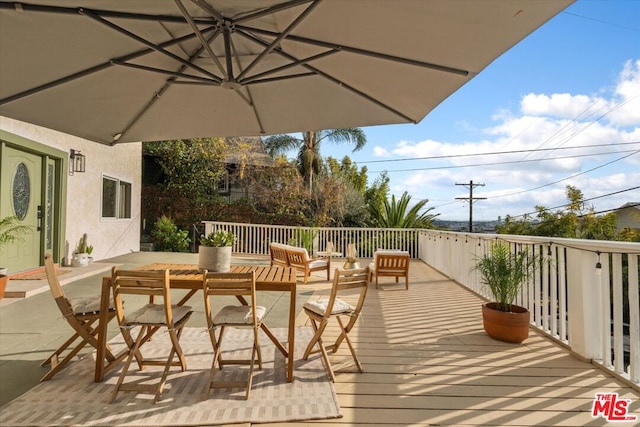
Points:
[(593, 311), (585, 294), (254, 239)]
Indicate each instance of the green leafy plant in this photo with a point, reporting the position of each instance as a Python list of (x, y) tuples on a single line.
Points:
[(218, 238), (81, 247), (11, 230), (167, 237), (505, 271)]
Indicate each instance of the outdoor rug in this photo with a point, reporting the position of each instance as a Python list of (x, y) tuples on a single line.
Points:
[(72, 398)]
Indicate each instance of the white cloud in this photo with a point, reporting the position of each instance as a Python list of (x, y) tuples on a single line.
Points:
[(550, 124)]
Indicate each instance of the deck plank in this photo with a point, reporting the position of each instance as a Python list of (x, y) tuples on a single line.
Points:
[(428, 362)]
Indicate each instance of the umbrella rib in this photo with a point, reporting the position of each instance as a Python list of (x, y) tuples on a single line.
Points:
[(171, 73), (358, 51), (94, 69), (198, 34), (60, 10), (305, 13), (255, 77), (334, 80), (248, 98), (164, 88), (271, 10), (147, 43)]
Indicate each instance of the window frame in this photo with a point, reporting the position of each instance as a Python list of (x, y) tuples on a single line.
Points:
[(122, 199)]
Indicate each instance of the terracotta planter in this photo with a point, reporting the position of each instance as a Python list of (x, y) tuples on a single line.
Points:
[(213, 258), (505, 326), (3, 284)]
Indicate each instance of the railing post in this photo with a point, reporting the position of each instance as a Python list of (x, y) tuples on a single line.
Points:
[(585, 305)]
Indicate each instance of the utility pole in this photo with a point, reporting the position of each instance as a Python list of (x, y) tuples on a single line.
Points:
[(471, 199)]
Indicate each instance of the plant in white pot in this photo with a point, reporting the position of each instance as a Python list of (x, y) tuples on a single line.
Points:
[(214, 252), (505, 270), (81, 253), (10, 231)]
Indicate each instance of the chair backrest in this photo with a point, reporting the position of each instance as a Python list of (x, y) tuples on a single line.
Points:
[(345, 280), (152, 283), (230, 284), (233, 284), (297, 257), (391, 261), (55, 287), (278, 254)]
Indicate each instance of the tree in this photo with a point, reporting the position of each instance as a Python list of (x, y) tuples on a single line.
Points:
[(191, 166), (397, 214), (575, 221), (309, 159)]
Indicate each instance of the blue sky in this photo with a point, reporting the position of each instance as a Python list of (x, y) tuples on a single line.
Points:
[(574, 82)]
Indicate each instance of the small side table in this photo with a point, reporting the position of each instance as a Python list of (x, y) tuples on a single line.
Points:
[(351, 265), (329, 255)]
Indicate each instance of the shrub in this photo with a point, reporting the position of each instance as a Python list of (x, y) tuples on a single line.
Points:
[(167, 237)]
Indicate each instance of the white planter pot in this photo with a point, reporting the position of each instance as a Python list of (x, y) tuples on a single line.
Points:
[(213, 258), (80, 260)]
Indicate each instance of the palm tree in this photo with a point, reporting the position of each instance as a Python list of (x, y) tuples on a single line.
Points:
[(309, 160), (397, 215)]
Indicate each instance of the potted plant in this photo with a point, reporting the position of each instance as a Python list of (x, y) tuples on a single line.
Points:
[(505, 271), (81, 253), (10, 231), (214, 252)]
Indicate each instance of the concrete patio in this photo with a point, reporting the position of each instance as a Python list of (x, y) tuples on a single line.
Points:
[(427, 360)]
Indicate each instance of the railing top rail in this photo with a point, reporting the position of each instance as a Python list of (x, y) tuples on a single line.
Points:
[(583, 244)]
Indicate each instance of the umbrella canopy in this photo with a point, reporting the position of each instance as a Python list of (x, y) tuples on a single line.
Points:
[(117, 71)]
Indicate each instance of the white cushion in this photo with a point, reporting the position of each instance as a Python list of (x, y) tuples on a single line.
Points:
[(238, 315), (154, 314), (320, 306), (372, 267), (318, 263), (87, 304)]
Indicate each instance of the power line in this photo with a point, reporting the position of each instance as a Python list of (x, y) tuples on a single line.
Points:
[(569, 177), (511, 162), (491, 153), (584, 200)]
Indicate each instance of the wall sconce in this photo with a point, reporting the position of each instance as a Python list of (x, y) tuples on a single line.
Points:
[(76, 161)]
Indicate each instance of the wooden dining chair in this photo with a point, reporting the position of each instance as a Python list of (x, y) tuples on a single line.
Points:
[(247, 315), (147, 318), (322, 310), (81, 313)]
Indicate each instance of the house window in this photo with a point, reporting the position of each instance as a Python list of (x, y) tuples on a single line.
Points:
[(221, 185), (116, 198)]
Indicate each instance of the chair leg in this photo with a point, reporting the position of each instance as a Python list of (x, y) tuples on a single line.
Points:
[(317, 339), (351, 348), (127, 363)]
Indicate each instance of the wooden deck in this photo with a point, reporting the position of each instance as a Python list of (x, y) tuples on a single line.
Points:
[(428, 362)]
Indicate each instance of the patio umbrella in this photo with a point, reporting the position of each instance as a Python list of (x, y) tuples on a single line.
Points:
[(118, 71)]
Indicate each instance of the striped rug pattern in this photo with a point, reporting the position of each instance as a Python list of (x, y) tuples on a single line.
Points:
[(73, 398)]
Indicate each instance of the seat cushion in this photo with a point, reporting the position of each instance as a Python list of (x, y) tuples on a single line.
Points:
[(154, 314), (238, 315), (320, 306), (87, 304), (319, 263)]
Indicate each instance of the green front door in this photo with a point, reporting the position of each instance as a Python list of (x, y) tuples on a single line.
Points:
[(21, 196)]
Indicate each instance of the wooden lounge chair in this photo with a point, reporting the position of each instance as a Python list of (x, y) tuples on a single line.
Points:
[(81, 313), (389, 263), (322, 310)]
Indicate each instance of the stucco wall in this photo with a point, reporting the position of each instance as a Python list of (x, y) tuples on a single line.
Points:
[(84, 190)]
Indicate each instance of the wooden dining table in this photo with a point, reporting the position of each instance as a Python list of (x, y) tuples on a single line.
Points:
[(189, 277)]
